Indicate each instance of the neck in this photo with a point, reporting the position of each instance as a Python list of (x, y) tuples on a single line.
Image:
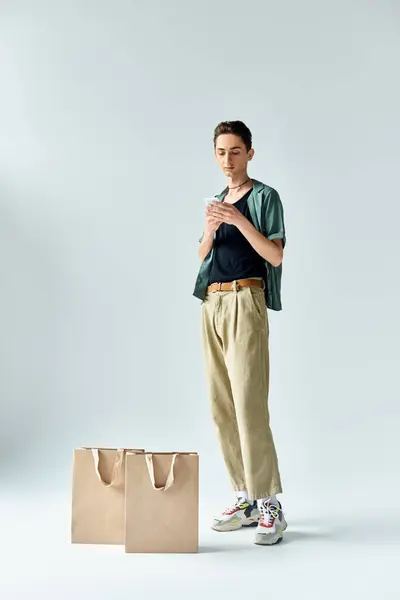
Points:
[(237, 180)]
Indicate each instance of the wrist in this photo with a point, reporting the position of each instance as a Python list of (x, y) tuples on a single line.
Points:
[(242, 223)]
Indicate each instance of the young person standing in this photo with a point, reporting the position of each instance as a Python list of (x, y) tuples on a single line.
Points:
[(241, 254)]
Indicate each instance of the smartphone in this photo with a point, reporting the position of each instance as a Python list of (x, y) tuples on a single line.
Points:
[(210, 200)]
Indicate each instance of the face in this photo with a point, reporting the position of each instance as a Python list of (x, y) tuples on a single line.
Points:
[(232, 155)]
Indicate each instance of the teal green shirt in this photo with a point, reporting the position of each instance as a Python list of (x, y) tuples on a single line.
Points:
[(266, 212)]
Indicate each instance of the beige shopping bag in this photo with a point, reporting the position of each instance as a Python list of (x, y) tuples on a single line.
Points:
[(162, 502), (98, 496)]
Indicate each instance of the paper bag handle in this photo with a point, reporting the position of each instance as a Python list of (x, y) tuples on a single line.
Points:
[(170, 478), (116, 468)]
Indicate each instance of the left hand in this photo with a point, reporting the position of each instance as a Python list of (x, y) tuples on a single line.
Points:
[(226, 213)]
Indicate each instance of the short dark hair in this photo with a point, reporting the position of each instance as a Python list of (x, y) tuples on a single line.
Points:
[(235, 128)]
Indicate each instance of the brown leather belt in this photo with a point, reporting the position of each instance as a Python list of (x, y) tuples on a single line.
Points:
[(240, 283)]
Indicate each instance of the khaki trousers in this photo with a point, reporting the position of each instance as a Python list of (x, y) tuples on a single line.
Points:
[(235, 335)]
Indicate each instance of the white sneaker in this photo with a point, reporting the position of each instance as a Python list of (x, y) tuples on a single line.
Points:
[(271, 524), (243, 513)]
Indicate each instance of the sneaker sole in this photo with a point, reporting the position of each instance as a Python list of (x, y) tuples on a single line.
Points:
[(275, 540), (234, 527)]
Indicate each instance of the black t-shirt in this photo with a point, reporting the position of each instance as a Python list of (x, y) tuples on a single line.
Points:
[(234, 257)]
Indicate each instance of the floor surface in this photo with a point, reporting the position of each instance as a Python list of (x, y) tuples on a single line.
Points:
[(321, 557)]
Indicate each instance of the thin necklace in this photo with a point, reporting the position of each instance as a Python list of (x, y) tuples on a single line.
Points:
[(239, 186)]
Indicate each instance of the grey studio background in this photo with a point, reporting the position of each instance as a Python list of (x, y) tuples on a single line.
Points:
[(107, 111)]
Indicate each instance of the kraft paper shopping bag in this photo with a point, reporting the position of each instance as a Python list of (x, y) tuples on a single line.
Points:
[(162, 502), (98, 496)]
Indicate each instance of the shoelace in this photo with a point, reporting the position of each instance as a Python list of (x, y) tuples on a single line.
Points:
[(268, 514), (232, 509)]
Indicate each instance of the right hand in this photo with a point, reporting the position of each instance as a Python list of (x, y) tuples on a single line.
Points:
[(212, 223)]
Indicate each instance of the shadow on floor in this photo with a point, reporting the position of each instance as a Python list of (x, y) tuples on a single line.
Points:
[(353, 531), (340, 531)]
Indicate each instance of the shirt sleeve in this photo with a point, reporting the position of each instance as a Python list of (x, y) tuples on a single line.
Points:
[(274, 217)]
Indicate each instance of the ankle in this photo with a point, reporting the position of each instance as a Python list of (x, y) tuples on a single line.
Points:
[(241, 494), (269, 499)]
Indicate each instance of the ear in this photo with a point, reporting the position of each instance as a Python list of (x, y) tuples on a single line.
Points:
[(251, 154)]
